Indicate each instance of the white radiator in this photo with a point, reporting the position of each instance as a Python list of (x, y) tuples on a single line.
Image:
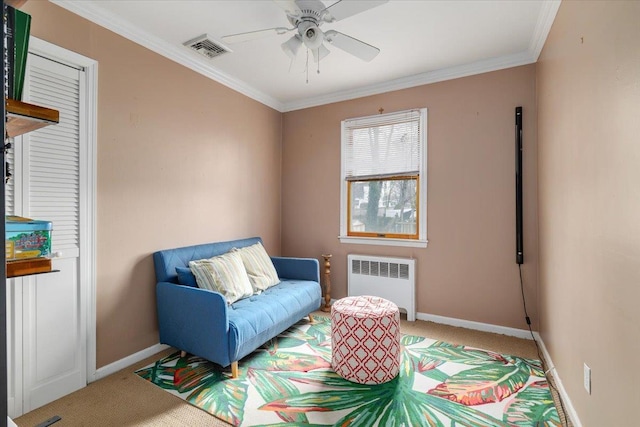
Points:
[(388, 278)]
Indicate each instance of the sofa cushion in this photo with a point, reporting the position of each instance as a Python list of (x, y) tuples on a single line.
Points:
[(225, 274), (255, 320), (262, 274), (186, 277)]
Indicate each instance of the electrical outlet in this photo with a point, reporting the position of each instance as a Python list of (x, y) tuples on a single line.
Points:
[(587, 378)]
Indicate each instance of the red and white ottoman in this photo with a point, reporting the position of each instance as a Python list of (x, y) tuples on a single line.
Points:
[(365, 339)]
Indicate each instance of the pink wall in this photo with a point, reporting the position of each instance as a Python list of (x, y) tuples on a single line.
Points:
[(588, 79), (468, 270), (179, 157), (181, 160)]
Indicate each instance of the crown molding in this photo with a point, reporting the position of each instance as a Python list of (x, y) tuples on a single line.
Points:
[(545, 20), (484, 66), (114, 23), (119, 26)]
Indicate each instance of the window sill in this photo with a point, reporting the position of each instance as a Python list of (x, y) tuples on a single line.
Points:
[(383, 241)]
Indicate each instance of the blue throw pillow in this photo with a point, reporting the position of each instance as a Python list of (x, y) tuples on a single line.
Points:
[(186, 277)]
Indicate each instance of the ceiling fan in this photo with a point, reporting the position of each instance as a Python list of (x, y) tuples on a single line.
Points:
[(307, 16)]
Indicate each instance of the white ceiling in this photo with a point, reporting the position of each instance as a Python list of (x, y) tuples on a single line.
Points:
[(420, 41)]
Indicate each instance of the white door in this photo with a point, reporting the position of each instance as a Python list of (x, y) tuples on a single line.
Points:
[(48, 312)]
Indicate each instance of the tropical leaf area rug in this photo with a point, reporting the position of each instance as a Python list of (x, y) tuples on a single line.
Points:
[(289, 382)]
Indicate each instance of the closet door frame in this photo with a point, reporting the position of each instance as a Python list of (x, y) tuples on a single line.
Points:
[(88, 175)]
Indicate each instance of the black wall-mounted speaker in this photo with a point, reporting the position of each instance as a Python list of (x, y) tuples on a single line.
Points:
[(519, 240)]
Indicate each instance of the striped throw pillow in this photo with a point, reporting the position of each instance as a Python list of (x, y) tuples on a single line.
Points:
[(262, 274), (225, 274)]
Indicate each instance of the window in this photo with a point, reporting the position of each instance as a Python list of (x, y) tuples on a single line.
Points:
[(384, 185)]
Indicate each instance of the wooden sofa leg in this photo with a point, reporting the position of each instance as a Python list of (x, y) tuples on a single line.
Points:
[(183, 353), (311, 319), (234, 369)]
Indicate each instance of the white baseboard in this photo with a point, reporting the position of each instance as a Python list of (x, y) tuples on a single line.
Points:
[(477, 326), (566, 401), (118, 365)]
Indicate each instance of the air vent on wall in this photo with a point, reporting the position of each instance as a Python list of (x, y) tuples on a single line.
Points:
[(207, 47)]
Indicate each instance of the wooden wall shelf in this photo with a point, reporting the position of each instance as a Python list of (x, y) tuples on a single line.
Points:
[(23, 117), (26, 267)]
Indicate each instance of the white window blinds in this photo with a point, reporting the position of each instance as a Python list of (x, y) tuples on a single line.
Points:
[(383, 146)]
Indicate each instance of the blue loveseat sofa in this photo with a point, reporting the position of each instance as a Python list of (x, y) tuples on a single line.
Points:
[(200, 322)]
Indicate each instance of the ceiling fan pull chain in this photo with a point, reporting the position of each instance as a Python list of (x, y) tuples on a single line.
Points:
[(307, 66), (318, 60)]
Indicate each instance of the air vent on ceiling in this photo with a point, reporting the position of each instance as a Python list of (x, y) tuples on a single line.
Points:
[(207, 47)]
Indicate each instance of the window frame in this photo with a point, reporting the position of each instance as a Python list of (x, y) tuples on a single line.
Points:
[(387, 239), (414, 236)]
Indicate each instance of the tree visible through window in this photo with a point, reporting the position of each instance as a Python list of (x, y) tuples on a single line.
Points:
[(384, 172)]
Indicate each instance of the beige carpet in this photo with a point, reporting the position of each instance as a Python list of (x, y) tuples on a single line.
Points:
[(124, 399)]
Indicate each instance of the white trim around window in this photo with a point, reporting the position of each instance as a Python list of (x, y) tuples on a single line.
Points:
[(422, 241)]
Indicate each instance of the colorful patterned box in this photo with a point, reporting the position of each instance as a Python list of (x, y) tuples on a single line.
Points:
[(27, 238)]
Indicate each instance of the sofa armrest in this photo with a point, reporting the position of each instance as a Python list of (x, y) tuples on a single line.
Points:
[(194, 320), (297, 268)]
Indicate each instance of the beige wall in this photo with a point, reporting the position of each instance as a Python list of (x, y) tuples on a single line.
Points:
[(177, 151), (468, 270), (588, 79), (181, 160)]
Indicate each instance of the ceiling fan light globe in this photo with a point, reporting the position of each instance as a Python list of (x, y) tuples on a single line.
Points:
[(313, 37)]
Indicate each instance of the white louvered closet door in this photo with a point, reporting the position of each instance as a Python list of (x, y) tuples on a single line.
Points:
[(49, 185)]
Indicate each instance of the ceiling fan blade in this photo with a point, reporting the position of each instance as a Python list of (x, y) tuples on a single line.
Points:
[(253, 35), (344, 8), (320, 53), (289, 6), (355, 47)]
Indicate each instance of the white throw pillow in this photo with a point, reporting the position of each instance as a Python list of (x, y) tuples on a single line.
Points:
[(225, 274), (262, 274)]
